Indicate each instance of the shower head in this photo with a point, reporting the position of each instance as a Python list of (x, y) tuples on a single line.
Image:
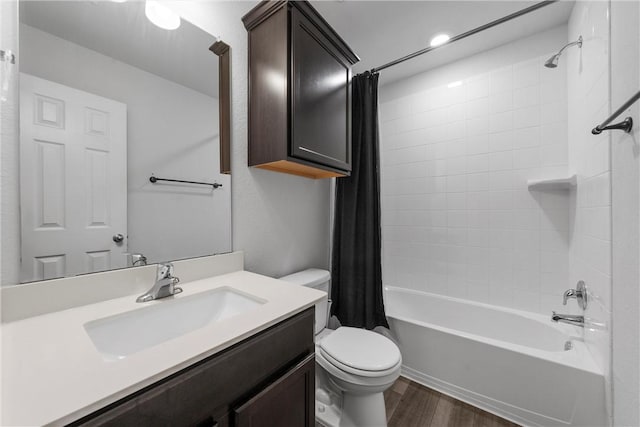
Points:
[(553, 61)]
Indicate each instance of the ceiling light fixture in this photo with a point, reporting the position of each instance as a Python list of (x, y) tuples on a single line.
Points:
[(161, 15), (454, 84), (439, 40)]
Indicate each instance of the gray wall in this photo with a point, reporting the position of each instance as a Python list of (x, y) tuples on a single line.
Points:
[(280, 221)]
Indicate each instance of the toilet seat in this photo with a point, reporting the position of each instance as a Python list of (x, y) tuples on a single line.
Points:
[(360, 352)]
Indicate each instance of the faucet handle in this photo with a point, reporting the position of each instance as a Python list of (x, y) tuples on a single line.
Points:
[(164, 271), (579, 293), (569, 293)]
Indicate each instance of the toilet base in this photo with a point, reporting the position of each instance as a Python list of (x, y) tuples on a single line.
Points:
[(335, 408), (363, 410), (356, 411)]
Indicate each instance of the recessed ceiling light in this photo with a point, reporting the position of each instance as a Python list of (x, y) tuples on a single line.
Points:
[(439, 39), (161, 15)]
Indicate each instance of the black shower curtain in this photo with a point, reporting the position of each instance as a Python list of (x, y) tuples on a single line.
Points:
[(356, 278)]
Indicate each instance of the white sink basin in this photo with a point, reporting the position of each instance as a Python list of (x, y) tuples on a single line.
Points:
[(116, 337)]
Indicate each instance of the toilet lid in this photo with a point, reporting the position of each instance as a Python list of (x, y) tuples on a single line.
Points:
[(361, 349)]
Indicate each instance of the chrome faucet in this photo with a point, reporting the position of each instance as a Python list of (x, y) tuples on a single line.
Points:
[(572, 319), (579, 293), (165, 284)]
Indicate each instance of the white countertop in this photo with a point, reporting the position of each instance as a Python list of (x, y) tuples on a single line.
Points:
[(52, 374)]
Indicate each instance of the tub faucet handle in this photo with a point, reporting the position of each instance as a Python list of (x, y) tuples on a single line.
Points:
[(569, 293), (579, 293)]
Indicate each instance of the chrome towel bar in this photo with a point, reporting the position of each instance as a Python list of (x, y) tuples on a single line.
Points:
[(154, 179), (625, 125)]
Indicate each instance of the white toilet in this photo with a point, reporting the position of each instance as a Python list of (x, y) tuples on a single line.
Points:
[(353, 366)]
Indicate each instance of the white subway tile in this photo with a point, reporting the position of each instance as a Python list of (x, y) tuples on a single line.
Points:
[(456, 148), (457, 218), (526, 137), (436, 167), (554, 112), (478, 237), (526, 261), (478, 107), (500, 219), (478, 163), (478, 256), (501, 200), (477, 88), (501, 180), (502, 160), (501, 141), (456, 183), (527, 158), (477, 144), (456, 201), (457, 236), (554, 134), (501, 258), (501, 102), (527, 240), (456, 113), (455, 130), (554, 155), (478, 200), (477, 218), (501, 122), (501, 80), (554, 240), (478, 181), (526, 219), (526, 97), (526, 73), (477, 126), (456, 166), (526, 117)]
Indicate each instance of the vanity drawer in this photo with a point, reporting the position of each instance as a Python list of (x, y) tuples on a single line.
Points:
[(206, 392)]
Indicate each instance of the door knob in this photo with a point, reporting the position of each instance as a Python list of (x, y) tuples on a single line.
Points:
[(118, 238)]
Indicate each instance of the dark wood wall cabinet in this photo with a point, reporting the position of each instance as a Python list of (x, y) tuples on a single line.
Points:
[(299, 91), (264, 381)]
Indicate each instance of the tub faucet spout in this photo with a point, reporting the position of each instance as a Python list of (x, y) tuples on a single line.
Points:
[(572, 319)]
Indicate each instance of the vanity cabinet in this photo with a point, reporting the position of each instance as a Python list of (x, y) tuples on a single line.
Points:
[(265, 380), (299, 91)]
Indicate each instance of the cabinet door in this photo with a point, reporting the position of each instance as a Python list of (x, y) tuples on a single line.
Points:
[(288, 402), (321, 98)]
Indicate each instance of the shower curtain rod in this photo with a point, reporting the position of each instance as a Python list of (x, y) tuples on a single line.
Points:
[(465, 35)]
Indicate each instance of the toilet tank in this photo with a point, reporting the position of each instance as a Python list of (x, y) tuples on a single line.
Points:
[(317, 279)]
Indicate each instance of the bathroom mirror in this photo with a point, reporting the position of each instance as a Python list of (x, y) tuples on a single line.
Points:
[(110, 102)]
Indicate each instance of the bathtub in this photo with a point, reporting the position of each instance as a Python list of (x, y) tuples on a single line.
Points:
[(510, 363)]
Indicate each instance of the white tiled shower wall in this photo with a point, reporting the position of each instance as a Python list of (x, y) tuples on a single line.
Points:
[(589, 157), (458, 218)]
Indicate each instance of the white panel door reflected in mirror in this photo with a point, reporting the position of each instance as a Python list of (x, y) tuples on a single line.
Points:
[(108, 100)]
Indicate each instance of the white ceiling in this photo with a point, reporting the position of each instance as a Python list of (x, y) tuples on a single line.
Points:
[(382, 31), (121, 31)]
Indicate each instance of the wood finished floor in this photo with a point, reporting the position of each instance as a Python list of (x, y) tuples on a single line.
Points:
[(410, 404)]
